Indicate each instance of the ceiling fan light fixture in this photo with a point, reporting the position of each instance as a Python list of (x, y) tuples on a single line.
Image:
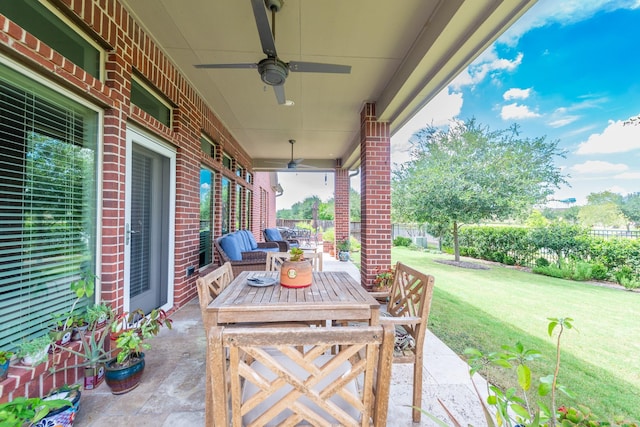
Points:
[(289, 103), (273, 71)]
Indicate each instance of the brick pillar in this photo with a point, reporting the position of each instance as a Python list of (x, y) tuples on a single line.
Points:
[(341, 206), (375, 160)]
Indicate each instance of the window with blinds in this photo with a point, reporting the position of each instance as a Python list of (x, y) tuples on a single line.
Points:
[(47, 204)]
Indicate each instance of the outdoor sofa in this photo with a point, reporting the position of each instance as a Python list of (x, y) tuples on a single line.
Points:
[(243, 252)]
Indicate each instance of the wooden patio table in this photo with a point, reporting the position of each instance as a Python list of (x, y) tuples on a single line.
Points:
[(333, 295)]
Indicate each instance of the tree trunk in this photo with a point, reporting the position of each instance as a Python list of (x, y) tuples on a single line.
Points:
[(456, 246)]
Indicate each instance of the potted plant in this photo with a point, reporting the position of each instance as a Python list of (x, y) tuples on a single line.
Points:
[(383, 280), (296, 272), (62, 331), (328, 241), (35, 351), (5, 360), (98, 314), (93, 351), (23, 411), (64, 415), (343, 247), (130, 330)]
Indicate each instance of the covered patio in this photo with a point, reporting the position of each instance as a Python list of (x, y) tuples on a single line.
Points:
[(157, 99), (172, 392)]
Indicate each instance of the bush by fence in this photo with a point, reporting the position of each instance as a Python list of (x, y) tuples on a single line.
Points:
[(567, 250)]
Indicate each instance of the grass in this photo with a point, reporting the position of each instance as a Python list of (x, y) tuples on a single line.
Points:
[(486, 309)]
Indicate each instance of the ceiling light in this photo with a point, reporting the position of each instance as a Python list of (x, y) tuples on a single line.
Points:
[(289, 103)]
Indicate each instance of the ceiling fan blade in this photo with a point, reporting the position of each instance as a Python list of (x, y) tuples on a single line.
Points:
[(245, 65), (298, 161), (317, 67), (279, 91), (264, 29)]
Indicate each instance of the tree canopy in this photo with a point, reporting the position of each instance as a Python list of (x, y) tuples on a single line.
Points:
[(304, 208), (469, 173)]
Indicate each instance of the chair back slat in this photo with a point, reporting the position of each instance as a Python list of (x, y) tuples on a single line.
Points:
[(210, 285), (289, 376)]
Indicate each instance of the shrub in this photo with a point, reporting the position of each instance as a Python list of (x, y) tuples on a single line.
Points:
[(582, 271), (542, 262), (630, 283), (553, 271), (509, 260), (599, 271), (623, 273), (402, 241)]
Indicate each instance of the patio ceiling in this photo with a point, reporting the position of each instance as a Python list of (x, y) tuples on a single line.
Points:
[(402, 54)]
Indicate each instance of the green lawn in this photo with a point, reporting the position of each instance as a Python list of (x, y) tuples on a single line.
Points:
[(488, 308)]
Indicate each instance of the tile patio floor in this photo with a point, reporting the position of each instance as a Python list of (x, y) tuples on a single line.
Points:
[(172, 390)]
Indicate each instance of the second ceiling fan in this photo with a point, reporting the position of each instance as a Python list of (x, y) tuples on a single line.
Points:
[(274, 71)]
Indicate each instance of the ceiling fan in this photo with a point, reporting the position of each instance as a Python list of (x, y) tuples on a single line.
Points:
[(293, 163), (274, 71)]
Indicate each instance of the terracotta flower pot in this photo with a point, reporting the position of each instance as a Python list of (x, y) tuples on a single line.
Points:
[(296, 274)]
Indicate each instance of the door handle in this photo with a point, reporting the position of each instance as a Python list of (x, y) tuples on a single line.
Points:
[(127, 233)]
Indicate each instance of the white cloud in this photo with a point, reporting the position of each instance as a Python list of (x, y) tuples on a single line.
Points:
[(516, 93), (628, 175), (616, 138), (485, 65), (558, 123), (565, 12), (439, 112), (598, 166), (515, 111)]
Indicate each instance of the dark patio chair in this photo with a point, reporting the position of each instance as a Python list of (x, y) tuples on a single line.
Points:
[(274, 235)]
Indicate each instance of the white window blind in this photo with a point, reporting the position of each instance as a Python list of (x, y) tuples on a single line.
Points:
[(47, 204)]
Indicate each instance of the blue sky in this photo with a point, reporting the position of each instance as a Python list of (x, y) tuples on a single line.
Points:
[(568, 70)]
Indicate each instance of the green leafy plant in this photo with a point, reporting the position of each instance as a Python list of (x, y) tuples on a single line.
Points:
[(402, 241), (384, 278), (22, 410), (297, 254), (83, 287), (343, 245), (4, 356), (35, 348), (130, 331), (98, 314), (515, 407)]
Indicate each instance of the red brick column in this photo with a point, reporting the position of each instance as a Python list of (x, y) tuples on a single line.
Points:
[(375, 160), (341, 206)]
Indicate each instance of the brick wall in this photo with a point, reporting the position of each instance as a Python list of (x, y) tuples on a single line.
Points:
[(341, 207), (131, 51)]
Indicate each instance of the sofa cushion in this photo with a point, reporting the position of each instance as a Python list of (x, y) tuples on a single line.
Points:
[(231, 245), (252, 240), (245, 245), (273, 234)]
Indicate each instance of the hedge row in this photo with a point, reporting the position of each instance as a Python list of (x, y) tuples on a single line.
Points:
[(563, 247)]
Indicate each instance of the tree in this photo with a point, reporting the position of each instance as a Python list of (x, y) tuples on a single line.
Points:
[(631, 207), (602, 214), (604, 197), (470, 173)]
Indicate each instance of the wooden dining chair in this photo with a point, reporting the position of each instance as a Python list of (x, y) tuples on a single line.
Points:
[(408, 310), (282, 385), (210, 285), (275, 260)]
